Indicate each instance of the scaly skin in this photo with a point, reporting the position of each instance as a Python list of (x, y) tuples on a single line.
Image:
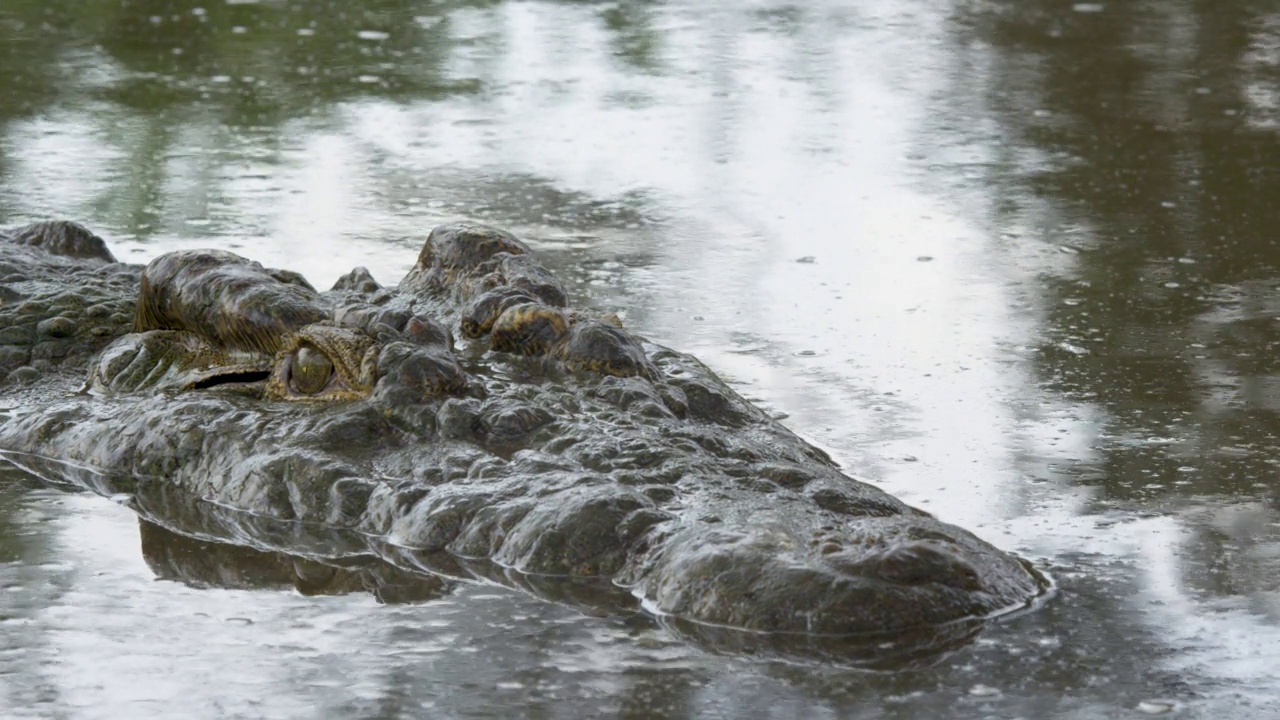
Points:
[(549, 449)]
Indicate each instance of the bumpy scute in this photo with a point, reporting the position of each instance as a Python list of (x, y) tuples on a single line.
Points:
[(595, 346), (524, 272), (420, 372), (428, 331), (61, 237), (528, 329), (359, 280), (464, 246), (480, 314), (463, 261), (62, 298)]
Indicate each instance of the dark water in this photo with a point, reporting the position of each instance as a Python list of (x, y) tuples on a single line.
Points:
[(1015, 262)]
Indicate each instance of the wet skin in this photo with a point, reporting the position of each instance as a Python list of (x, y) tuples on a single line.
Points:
[(468, 423)]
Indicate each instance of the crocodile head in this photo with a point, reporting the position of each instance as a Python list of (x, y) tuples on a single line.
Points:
[(468, 423)]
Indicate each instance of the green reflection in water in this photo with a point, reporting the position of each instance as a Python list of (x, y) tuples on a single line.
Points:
[(1155, 127), (220, 93), (1164, 194)]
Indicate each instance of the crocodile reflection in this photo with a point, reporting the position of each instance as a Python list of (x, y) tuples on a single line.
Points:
[(469, 423), (206, 564)]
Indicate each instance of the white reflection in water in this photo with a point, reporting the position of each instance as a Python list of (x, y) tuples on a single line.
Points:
[(60, 164), (122, 640), (1236, 645)]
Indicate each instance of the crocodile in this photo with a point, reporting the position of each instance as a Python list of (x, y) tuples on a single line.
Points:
[(467, 424)]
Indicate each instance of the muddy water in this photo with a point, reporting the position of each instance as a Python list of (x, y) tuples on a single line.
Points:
[(1015, 262)]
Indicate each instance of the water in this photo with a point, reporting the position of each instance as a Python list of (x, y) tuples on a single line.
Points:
[(1013, 261)]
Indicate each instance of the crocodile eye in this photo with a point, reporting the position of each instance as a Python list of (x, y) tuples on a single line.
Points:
[(311, 371)]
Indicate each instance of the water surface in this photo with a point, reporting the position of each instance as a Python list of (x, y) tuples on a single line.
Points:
[(1014, 262)]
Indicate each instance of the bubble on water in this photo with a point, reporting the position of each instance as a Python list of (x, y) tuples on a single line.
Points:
[(372, 35), (1157, 707), (1088, 7), (510, 685), (981, 690)]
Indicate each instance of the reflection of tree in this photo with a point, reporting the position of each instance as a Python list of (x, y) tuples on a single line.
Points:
[(29, 72), (1140, 119), (260, 64), (155, 75), (31, 78), (189, 97), (632, 34)]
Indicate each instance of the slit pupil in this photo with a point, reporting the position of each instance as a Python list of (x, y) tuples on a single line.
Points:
[(233, 378)]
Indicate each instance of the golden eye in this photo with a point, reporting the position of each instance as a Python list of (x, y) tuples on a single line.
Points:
[(311, 371)]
